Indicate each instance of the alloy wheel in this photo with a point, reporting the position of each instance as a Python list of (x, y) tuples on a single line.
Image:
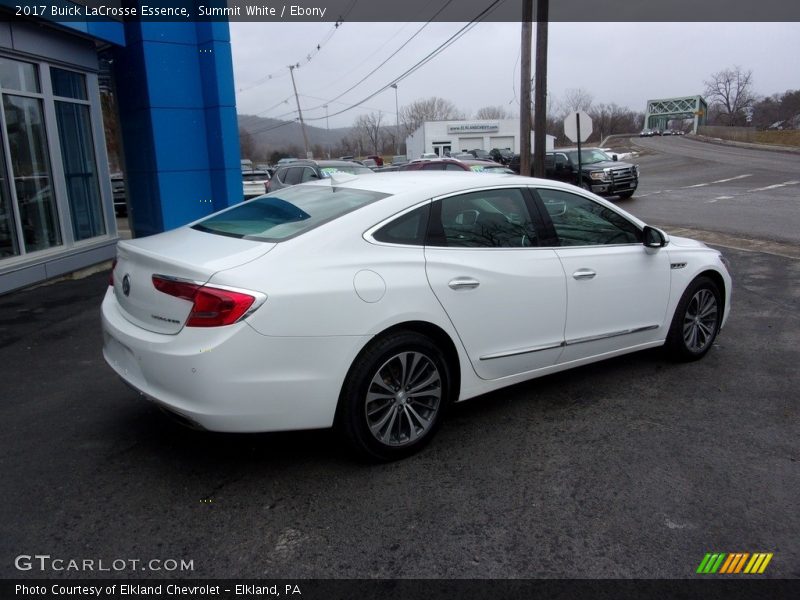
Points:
[(403, 398)]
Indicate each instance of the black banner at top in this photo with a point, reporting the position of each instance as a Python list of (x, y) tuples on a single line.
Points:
[(402, 10)]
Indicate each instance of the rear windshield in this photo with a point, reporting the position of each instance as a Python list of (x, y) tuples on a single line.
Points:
[(255, 176), (286, 213)]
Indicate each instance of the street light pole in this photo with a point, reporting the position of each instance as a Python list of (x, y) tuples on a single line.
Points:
[(397, 125)]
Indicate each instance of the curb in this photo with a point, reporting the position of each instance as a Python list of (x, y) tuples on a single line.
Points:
[(750, 145)]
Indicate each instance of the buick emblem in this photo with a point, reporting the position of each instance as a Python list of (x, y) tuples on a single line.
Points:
[(126, 285)]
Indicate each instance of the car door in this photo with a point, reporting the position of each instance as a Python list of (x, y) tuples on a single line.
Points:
[(617, 289), (505, 296)]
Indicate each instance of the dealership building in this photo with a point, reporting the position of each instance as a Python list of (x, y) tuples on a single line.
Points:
[(171, 89), (449, 137)]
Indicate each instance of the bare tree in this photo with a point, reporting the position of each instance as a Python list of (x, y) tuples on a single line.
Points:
[(429, 109), (608, 119), (368, 128), (730, 90), (492, 112), (576, 99), (247, 146)]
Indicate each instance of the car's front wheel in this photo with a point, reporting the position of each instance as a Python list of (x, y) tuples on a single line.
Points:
[(696, 322), (394, 397)]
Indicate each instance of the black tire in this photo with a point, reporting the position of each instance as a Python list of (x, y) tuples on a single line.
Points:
[(386, 370), (696, 322), (626, 195)]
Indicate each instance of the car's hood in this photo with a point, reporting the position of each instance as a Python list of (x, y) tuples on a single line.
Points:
[(683, 242)]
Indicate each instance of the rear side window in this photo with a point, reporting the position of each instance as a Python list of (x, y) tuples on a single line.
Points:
[(286, 213), (408, 229), (487, 219)]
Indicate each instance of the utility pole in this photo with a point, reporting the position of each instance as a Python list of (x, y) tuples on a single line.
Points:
[(525, 90), (397, 126), (300, 112), (328, 129), (540, 89)]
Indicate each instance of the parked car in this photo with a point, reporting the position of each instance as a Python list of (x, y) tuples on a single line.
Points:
[(285, 161), (315, 306), (429, 155), (600, 173), (301, 171), (369, 163), (435, 164), (399, 159), (377, 158), (481, 154), (254, 183), (501, 155), (118, 192)]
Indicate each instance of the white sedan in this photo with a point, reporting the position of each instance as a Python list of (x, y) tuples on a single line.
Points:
[(371, 303)]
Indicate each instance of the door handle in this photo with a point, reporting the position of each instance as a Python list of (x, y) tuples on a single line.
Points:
[(584, 274), (463, 283)]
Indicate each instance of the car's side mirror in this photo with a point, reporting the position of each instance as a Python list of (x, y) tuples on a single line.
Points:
[(614, 157), (654, 238)]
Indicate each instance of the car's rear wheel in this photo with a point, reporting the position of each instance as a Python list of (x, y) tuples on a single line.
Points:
[(696, 321), (394, 397)]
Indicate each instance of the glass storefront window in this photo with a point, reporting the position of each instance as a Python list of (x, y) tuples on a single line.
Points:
[(8, 230), (80, 169), (68, 84), (17, 75), (30, 165)]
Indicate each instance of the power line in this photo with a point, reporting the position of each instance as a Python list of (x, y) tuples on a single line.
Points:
[(433, 54), (392, 55), (308, 58), (430, 56)]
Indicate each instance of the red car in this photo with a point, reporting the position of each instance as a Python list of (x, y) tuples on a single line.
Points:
[(378, 159), (452, 164)]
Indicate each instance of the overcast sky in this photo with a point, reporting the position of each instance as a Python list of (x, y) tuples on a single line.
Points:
[(625, 63)]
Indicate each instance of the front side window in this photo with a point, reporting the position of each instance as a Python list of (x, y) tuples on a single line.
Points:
[(292, 175), (487, 219), (579, 221), (308, 175)]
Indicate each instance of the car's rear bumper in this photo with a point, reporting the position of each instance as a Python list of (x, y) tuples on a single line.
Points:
[(231, 378)]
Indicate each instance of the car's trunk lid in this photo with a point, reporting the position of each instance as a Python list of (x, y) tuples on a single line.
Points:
[(183, 254)]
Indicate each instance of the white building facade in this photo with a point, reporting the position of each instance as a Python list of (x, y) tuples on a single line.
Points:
[(449, 137)]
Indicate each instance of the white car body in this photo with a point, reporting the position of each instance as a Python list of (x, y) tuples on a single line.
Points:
[(324, 295)]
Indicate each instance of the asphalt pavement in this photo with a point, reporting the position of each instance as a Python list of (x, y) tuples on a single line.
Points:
[(633, 467)]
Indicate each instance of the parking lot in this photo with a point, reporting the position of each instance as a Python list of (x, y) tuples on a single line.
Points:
[(633, 467)]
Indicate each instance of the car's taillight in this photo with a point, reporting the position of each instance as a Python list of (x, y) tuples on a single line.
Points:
[(211, 306), (111, 276)]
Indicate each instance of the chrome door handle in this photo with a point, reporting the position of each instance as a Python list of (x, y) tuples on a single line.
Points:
[(584, 274), (463, 283)]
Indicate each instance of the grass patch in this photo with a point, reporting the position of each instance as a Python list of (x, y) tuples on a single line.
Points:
[(780, 138)]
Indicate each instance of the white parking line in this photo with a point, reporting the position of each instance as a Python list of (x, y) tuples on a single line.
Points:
[(775, 186), (697, 185), (719, 198), (732, 178)]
